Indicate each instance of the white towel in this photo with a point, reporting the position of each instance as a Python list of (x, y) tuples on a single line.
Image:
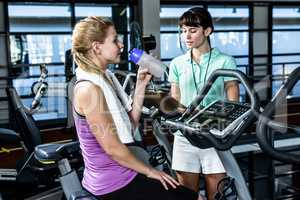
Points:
[(124, 98), (119, 103)]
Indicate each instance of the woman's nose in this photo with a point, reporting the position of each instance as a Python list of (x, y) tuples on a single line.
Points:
[(121, 45), (187, 35)]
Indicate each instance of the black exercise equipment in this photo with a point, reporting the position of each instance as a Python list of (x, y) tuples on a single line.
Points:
[(265, 123), (29, 132), (60, 154), (39, 89), (218, 125), (29, 171)]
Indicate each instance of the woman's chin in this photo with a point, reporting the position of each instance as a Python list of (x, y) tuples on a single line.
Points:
[(189, 46), (116, 61)]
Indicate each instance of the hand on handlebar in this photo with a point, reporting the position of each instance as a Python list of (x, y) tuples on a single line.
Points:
[(164, 178)]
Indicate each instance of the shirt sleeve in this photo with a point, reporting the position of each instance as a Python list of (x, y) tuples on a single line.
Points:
[(173, 73), (230, 64)]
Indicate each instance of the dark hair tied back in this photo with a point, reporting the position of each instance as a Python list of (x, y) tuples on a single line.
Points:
[(195, 17)]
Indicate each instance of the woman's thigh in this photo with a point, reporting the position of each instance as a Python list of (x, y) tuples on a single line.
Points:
[(143, 188)]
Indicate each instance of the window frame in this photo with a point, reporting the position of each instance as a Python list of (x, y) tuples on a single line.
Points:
[(14, 70)]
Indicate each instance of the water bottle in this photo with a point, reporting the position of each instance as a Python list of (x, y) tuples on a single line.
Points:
[(144, 60)]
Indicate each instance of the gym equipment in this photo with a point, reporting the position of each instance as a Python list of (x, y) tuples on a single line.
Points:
[(68, 179), (265, 123), (29, 178), (30, 172), (8, 136), (39, 88), (217, 125), (29, 132), (59, 154), (269, 126)]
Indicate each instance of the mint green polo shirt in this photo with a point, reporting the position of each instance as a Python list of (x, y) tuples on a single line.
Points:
[(181, 73)]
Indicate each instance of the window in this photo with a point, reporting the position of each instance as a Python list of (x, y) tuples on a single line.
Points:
[(231, 33), (39, 17), (40, 33), (286, 51), (84, 10)]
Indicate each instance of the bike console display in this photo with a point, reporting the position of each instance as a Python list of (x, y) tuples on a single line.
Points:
[(220, 117)]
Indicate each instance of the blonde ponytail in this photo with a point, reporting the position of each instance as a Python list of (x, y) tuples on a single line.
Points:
[(84, 34)]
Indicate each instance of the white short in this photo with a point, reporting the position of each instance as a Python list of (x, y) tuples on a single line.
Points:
[(188, 158)]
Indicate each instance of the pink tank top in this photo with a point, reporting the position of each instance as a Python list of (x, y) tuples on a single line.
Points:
[(102, 174)]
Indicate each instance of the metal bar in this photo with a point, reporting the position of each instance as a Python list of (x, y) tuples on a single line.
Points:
[(72, 12), (250, 68), (51, 32), (77, 1), (270, 48), (232, 2)]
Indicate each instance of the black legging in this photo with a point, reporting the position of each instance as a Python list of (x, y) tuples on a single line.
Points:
[(143, 188)]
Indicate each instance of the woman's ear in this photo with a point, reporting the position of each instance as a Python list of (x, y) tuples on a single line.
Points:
[(96, 46), (207, 31)]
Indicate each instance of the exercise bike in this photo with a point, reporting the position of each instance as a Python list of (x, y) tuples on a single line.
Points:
[(267, 127), (265, 122), (218, 125), (30, 173)]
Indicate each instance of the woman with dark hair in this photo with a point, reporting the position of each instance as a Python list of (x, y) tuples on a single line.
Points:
[(188, 74), (105, 118)]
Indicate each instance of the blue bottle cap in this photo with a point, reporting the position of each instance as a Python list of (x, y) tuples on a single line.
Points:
[(135, 55)]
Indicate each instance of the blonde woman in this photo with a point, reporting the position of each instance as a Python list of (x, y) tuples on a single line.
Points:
[(105, 118)]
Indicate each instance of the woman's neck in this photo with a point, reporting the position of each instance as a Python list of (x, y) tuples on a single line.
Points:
[(102, 65), (198, 52)]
